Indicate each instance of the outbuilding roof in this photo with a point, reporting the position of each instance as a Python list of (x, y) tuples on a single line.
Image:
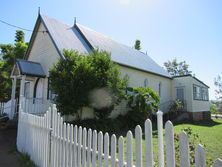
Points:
[(84, 40), (30, 68)]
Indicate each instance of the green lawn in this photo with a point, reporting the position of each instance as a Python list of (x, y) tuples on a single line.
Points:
[(210, 134)]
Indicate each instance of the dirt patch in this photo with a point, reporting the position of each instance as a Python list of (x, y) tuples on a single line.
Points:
[(9, 157)]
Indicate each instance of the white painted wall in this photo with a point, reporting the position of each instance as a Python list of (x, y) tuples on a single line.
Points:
[(44, 52), (199, 105), (187, 82), (137, 78), (183, 82)]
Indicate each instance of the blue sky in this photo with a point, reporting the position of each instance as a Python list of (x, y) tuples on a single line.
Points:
[(183, 29)]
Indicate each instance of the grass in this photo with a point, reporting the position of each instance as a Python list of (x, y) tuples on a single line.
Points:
[(25, 161), (210, 135)]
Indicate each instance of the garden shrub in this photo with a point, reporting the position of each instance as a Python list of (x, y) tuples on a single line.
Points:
[(77, 80), (143, 103)]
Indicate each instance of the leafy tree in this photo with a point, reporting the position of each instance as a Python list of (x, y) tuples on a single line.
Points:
[(218, 84), (86, 80), (213, 108), (19, 36), (175, 68), (10, 52), (137, 45)]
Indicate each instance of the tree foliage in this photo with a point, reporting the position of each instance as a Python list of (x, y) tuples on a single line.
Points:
[(86, 81), (9, 53), (218, 84), (175, 68), (137, 45)]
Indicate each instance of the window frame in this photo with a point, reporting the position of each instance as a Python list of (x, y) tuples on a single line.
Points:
[(146, 82), (201, 94)]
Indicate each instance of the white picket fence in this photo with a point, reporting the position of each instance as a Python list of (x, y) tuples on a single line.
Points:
[(50, 142)]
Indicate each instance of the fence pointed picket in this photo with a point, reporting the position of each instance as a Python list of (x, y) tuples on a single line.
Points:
[(79, 147), (149, 145), (218, 163), (184, 150), (57, 139), (200, 157), (84, 148), (53, 150), (106, 150), (44, 122), (71, 145), (121, 151), (100, 148), (75, 146), (67, 145), (89, 145), (60, 142), (113, 150), (129, 152), (64, 145), (138, 135), (170, 149), (48, 143), (160, 139), (94, 148)]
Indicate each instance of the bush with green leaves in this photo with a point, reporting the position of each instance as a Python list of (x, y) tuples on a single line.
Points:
[(176, 106), (143, 102), (83, 80)]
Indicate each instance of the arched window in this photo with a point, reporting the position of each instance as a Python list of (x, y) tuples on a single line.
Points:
[(38, 88), (146, 82), (160, 88)]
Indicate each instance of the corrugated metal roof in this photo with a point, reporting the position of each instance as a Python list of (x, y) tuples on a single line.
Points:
[(64, 36), (81, 39), (30, 68), (122, 54)]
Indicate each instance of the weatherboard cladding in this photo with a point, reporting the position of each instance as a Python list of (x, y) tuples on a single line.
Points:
[(84, 40), (30, 68)]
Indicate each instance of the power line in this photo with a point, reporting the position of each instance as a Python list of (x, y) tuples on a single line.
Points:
[(24, 29)]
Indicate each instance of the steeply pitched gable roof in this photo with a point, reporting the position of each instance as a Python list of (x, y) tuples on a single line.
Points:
[(83, 39)]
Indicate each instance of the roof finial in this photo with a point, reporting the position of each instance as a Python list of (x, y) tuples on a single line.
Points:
[(39, 10), (74, 20)]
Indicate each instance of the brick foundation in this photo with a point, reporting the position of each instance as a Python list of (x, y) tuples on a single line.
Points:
[(200, 116)]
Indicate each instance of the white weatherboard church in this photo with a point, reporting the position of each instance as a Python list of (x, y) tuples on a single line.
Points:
[(46, 46)]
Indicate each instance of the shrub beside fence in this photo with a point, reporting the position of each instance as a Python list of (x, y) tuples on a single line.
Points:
[(52, 143)]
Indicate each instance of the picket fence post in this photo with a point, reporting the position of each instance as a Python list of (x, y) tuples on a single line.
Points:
[(113, 150), (129, 150), (218, 163), (160, 139), (138, 133), (106, 150), (149, 144), (184, 150), (170, 149), (121, 151), (200, 158)]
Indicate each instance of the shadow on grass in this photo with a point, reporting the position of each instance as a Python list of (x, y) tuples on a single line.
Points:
[(209, 123)]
